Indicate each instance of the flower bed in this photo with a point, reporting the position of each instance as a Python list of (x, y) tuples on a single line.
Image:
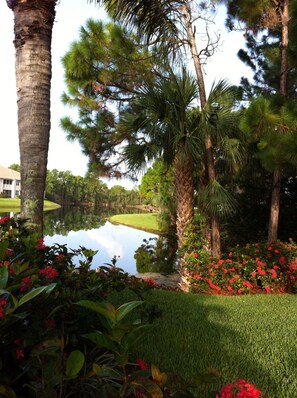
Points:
[(255, 268)]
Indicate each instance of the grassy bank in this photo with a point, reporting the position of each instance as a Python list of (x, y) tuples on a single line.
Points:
[(8, 205), (144, 221), (247, 337)]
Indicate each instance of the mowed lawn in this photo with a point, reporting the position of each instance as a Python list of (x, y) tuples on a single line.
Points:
[(7, 205), (248, 337), (144, 221)]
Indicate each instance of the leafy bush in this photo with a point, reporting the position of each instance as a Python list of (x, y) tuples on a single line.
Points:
[(256, 267), (59, 337)]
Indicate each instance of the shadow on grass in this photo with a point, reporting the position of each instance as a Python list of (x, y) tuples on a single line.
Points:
[(234, 335)]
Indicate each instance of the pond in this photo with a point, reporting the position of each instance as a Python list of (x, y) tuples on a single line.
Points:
[(89, 227)]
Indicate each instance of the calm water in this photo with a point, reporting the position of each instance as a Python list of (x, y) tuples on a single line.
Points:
[(87, 227)]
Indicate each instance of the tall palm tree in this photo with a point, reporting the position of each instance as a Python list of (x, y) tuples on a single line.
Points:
[(172, 22), (33, 24), (161, 122)]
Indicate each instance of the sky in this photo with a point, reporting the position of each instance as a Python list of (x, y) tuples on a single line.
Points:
[(70, 16)]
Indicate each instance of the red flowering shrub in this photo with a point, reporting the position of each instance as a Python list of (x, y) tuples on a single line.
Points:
[(253, 268), (239, 389)]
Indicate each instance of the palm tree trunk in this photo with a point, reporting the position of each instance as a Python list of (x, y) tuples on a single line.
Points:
[(184, 187), (210, 164), (276, 183), (33, 24)]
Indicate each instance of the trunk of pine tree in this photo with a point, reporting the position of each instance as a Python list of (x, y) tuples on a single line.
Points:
[(33, 24), (210, 164), (276, 183)]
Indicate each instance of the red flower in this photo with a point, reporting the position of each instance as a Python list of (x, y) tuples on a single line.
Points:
[(197, 276), (40, 244), (49, 272), (141, 363), (60, 256), (228, 260), (3, 302), (239, 389), (230, 254), (261, 271), (150, 282), (267, 289), (50, 323), (19, 353), (253, 274), (196, 255), (26, 284), (276, 251), (221, 262), (4, 219)]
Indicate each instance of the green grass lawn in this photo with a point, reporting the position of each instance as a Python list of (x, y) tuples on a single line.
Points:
[(8, 205), (251, 337), (144, 221)]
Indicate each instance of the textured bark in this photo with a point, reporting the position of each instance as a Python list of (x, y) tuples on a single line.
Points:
[(276, 184), (33, 24), (183, 171), (210, 165), (274, 207)]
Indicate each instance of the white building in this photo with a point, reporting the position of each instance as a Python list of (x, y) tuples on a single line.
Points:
[(10, 182)]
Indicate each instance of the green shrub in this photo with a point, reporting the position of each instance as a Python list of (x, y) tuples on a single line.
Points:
[(256, 267)]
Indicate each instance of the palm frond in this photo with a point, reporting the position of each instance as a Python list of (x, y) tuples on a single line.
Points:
[(157, 19), (216, 200)]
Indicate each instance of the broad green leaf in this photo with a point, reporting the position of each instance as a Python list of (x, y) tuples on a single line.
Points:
[(3, 248), (50, 288), (136, 334), (19, 267), (3, 276), (124, 309), (29, 296), (101, 340), (74, 364), (105, 309)]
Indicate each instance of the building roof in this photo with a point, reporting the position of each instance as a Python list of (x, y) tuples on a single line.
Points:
[(9, 174)]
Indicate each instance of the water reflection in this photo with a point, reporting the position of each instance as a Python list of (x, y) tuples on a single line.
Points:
[(89, 228)]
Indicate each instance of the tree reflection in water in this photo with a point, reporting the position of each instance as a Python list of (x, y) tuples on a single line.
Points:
[(88, 227)]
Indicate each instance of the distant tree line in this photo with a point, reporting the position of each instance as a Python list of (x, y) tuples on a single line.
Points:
[(67, 189)]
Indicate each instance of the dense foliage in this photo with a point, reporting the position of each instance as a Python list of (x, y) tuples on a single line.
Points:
[(60, 337)]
